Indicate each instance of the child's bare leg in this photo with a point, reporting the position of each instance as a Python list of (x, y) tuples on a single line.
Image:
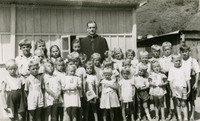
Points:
[(178, 108), (111, 114), (32, 115), (124, 111), (67, 113), (185, 110), (74, 114), (147, 110), (156, 102), (104, 114), (161, 106), (95, 111), (192, 105)]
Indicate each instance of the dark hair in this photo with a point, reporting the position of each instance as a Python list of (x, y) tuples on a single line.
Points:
[(57, 48), (184, 47), (92, 22), (130, 51)]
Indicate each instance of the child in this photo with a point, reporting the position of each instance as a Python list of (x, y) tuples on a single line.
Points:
[(40, 44), (96, 58), (76, 47), (127, 92), (179, 83), (54, 53), (157, 88), (109, 98), (142, 85), (83, 59), (126, 63), (118, 57), (33, 88), (130, 54), (144, 60), (166, 63), (22, 60), (192, 67), (71, 85), (52, 95), (13, 94), (155, 49), (40, 56), (91, 89), (60, 72)]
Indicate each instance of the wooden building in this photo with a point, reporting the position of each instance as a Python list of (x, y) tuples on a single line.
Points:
[(59, 21)]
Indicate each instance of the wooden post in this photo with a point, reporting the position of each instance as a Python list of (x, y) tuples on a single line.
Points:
[(12, 29), (134, 30)]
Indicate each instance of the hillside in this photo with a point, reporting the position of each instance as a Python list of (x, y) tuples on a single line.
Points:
[(163, 16)]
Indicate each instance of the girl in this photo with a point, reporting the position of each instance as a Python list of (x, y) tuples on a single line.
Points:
[(118, 58), (96, 58), (13, 95), (54, 53), (130, 54), (33, 88), (109, 98), (144, 60), (52, 92), (158, 81), (126, 63), (76, 47), (91, 89), (60, 72), (141, 84), (40, 56), (71, 85), (127, 92), (40, 44), (83, 58)]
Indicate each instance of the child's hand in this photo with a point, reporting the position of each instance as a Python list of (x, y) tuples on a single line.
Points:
[(188, 93)]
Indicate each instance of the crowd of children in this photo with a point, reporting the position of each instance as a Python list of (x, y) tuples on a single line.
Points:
[(122, 87)]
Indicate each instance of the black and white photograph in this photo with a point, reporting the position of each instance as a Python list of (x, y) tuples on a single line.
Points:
[(99, 60)]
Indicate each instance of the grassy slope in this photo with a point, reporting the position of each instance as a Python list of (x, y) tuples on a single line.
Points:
[(163, 16)]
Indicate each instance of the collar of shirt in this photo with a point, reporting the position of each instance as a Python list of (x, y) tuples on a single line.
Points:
[(92, 36)]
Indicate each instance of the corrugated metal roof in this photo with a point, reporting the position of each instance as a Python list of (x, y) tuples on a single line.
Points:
[(93, 3)]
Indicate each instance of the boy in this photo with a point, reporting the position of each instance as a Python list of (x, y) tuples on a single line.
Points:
[(191, 66), (155, 49), (23, 59), (179, 83)]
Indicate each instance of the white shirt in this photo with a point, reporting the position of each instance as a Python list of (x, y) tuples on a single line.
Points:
[(140, 81), (178, 76), (166, 63), (191, 65)]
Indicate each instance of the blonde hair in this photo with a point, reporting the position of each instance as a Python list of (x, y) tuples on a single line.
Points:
[(125, 70), (33, 62), (107, 70), (155, 47), (11, 63), (166, 44)]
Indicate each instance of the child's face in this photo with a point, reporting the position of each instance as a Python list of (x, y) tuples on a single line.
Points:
[(126, 75), (130, 56), (40, 55), (83, 60), (55, 52), (34, 70), (77, 62), (71, 72), (118, 55), (97, 62), (12, 70), (156, 67), (177, 62), (156, 53), (126, 64), (107, 76), (141, 72), (144, 59), (60, 67), (185, 54), (76, 47), (89, 69), (49, 68), (26, 49), (167, 51), (41, 46)]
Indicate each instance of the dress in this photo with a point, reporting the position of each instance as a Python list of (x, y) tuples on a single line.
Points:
[(55, 86), (157, 79), (127, 90), (91, 84), (109, 98), (80, 72), (35, 96), (71, 98)]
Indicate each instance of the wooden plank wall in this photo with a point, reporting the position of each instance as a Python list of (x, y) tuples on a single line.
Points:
[(51, 22)]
